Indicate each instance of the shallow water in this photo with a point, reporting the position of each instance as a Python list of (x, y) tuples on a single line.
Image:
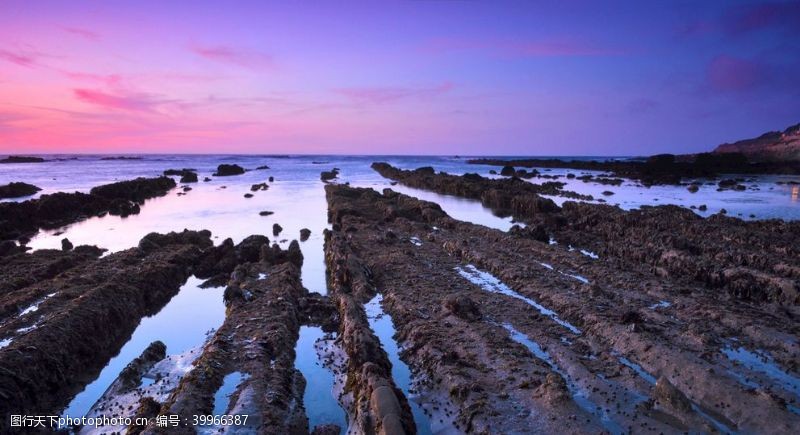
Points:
[(383, 327), (181, 325), (222, 398), (762, 362), (319, 397), (490, 283)]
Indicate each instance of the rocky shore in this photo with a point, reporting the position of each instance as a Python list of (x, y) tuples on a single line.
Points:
[(660, 169), (754, 261), (85, 309), (584, 318), (509, 333), (23, 219)]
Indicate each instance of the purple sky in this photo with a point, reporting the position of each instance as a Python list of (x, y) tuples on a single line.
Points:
[(379, 77)]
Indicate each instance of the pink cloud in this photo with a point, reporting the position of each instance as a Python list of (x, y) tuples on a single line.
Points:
[(83, 33), (235, 56), (378, 95), (107, 79), (20, 58), (131, 102)]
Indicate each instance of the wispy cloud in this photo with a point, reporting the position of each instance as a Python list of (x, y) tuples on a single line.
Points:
[(379, 95), (727, 73), (20, 57), (741, 20), (235, 56), (754, 17), (81, 32), (545, 47), (123, 101)]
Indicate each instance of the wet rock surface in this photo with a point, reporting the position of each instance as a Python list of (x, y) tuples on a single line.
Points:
[(80, 311), (750, 260), (565, 342), (263, 298), (20, 219)]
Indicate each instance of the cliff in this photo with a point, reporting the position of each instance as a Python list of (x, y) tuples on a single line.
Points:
[(771, 146)]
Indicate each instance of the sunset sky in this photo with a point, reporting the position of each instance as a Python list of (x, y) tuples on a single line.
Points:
[(385, 77)]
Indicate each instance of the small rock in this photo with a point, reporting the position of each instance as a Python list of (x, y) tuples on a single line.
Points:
[(225, 170), (276, 229), (66, 245), (305, 233)]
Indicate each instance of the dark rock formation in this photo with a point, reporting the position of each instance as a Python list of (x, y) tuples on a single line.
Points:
[(630, 322), (54, 210), (326, 176), (225, 170), (22, 159), (17, 190), (305, 233), (98, 303), (66, 245)]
